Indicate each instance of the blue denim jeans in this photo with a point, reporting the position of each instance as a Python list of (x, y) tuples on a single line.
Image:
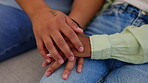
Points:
[(111, 21), (16, 37)]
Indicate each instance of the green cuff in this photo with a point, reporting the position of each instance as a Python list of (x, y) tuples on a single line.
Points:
[(100, 47)]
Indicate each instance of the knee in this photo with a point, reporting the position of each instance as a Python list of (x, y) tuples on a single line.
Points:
[(128, 74)]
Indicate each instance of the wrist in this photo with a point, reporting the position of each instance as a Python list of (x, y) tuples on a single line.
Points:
[(77, 18)]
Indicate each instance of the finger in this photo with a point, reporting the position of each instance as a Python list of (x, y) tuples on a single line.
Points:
[(73, 25), (53, 67), (42, 49), (61, 43), (69, 42), (45, 63), (72, 36), (50, 56), (69, 66), (53, 51), (80, 64)]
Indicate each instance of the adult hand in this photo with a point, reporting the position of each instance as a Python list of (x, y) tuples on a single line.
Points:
[(54, 66), (49, 26)]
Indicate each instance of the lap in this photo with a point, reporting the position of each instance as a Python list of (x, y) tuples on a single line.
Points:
[(100, 25), (110, 22), (129, 74), (93, 71), (16, 35)]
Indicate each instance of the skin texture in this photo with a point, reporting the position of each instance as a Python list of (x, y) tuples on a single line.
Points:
[(48, 22), (70, 64), (46, 36), (43, 19)]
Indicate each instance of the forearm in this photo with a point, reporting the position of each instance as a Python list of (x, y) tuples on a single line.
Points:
[(32, 6), (84, 10), (130, 45)]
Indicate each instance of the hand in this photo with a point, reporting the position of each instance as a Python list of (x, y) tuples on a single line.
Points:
[(54, 65), (86, 43), (49, 26), (69, 66)]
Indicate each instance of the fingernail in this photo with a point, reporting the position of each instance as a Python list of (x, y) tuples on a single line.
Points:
[(48, 73), (78, 28), (79, 70), (61, 61), (48, 60), (71, 58), (81, 49), (65, 76), (48, 55)]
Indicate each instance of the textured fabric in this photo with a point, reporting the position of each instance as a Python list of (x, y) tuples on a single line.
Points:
[(15, 26), (63, 5), (129, 74), (93, 71), (16, 35), (25, 68), (141, 4), (98, 71), (129, 45)]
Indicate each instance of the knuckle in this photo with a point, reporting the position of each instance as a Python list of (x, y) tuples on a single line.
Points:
[(69, 53), (56, 56), (81, 63), (73, 24), (71, 35), (60, 42), (49, 45), (52, 68), (68, 69)]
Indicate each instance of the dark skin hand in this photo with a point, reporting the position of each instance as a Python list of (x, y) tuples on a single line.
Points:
[(70, 64)]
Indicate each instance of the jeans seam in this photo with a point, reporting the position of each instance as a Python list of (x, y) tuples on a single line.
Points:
[(7, 49), (101, 80), (134, 21)]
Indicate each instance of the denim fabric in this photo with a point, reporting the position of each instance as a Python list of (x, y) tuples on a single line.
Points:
[(16, 37), (63, 5), (16, 34), (111, 21)]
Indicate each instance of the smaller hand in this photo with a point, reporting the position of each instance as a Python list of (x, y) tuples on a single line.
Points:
[(69, 66), (85, 42)]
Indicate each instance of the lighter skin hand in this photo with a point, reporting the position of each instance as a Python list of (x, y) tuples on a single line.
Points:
[(49, 26), (54, 65)]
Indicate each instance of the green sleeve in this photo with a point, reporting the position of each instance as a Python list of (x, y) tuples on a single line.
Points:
[(131, 45)]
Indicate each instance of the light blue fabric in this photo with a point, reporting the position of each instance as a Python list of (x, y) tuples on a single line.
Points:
[(16, 37), (63, 5), (110, 21)]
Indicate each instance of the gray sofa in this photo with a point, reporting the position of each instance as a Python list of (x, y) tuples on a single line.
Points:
[(25, 68)]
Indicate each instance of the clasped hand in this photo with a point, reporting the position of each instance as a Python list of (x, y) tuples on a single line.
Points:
[(56, 35), (54, 65)]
